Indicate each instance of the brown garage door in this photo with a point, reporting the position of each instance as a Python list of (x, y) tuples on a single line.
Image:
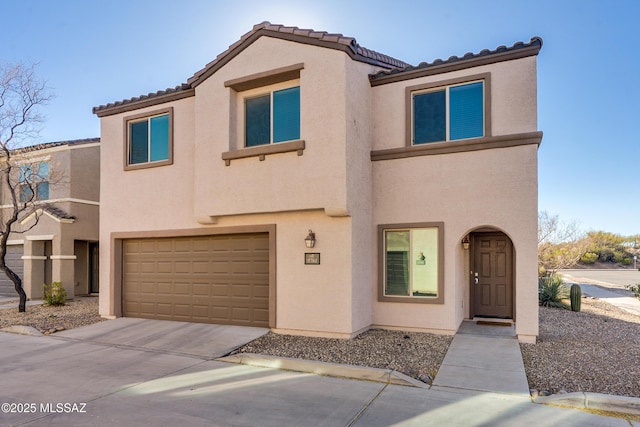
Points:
[(14, 262), (206, 279)]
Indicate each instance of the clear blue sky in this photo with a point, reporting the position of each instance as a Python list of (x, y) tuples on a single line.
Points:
[(95, 52)]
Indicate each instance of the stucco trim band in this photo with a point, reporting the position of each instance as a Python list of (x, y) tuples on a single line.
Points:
[(264, 150), (476, 144), (63, 257)]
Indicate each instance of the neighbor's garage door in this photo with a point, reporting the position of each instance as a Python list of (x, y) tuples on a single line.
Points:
[(206, 279), (15, 263)]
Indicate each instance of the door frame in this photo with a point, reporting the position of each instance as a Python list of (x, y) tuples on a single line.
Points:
[(471, 254)]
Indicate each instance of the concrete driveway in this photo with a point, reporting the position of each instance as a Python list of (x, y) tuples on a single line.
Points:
[(85, 377), (200, 340)]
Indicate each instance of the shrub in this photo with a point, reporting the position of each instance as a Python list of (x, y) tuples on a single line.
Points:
[(635, 289), (626, 261), (551, 291), (55, 294), (589, 258)]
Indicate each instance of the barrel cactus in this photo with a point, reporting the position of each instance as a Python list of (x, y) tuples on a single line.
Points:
[(576, 297)]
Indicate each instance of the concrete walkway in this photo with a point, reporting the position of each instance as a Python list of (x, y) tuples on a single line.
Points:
[(484, 358)]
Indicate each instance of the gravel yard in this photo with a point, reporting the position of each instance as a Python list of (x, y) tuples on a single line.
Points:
[(50, 319), (595, 350), (418, 355)]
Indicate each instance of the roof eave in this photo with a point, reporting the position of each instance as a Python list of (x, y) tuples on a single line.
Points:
[(125, 106), (457, 64)]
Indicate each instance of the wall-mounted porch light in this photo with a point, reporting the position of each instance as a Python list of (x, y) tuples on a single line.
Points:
[(465, 243), (310, 240)]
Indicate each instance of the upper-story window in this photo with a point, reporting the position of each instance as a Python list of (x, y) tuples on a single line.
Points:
[(149, 140), (272, 117), (34, 182), (448, 113)]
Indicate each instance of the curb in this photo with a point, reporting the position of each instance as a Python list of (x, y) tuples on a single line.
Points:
[(22, 330), (603, 402), (386, 376)]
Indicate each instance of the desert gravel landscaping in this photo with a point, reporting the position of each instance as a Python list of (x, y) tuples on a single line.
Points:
[(51, 319), (596, 350)]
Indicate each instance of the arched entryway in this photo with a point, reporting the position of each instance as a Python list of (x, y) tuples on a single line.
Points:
[(492, 284)]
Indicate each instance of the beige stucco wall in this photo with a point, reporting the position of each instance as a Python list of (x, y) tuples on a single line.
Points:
[(490, 188), (333, 188), (494, 188), (293, 192), (73, 188), (283, 182), (513, 101)]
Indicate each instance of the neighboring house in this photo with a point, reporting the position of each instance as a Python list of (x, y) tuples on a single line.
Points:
[(56, 240), (418, 182)]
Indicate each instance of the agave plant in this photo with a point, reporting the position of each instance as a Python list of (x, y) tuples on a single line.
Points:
[(551, 291)]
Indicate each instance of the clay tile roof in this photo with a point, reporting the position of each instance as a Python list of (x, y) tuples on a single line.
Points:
[(58, 213), (149, 96), (320, 38), (329, 40), (518, 50), (46, 145)]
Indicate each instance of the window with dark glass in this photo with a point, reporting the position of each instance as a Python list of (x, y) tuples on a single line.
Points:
[(272, 118), (149, 140), (34, 182), (448, 114)]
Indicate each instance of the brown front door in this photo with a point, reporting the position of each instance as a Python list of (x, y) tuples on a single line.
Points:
[(492, 275)]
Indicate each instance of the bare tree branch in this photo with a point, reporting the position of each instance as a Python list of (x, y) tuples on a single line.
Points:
[(21, 95)]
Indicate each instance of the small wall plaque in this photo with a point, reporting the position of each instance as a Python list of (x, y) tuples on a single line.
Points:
[(312, 258)]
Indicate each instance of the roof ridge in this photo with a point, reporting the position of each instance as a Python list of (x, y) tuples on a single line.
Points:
[(324, 38)]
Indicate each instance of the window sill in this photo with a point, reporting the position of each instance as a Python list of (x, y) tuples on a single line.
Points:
[(411, 300), (264, 150)]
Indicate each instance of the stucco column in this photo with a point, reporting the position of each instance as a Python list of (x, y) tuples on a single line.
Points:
[(34, 267), (63, 265), (62, 270)]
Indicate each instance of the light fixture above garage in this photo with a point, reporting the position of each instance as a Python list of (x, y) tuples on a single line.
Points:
[(310, 240)]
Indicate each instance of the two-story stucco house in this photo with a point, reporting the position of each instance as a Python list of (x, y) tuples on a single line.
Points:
[(56, 238), (418, 185)]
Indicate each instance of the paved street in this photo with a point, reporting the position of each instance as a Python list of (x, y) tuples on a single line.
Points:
[(608, 278)]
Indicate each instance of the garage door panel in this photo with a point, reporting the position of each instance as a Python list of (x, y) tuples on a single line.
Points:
[(212, 279)]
